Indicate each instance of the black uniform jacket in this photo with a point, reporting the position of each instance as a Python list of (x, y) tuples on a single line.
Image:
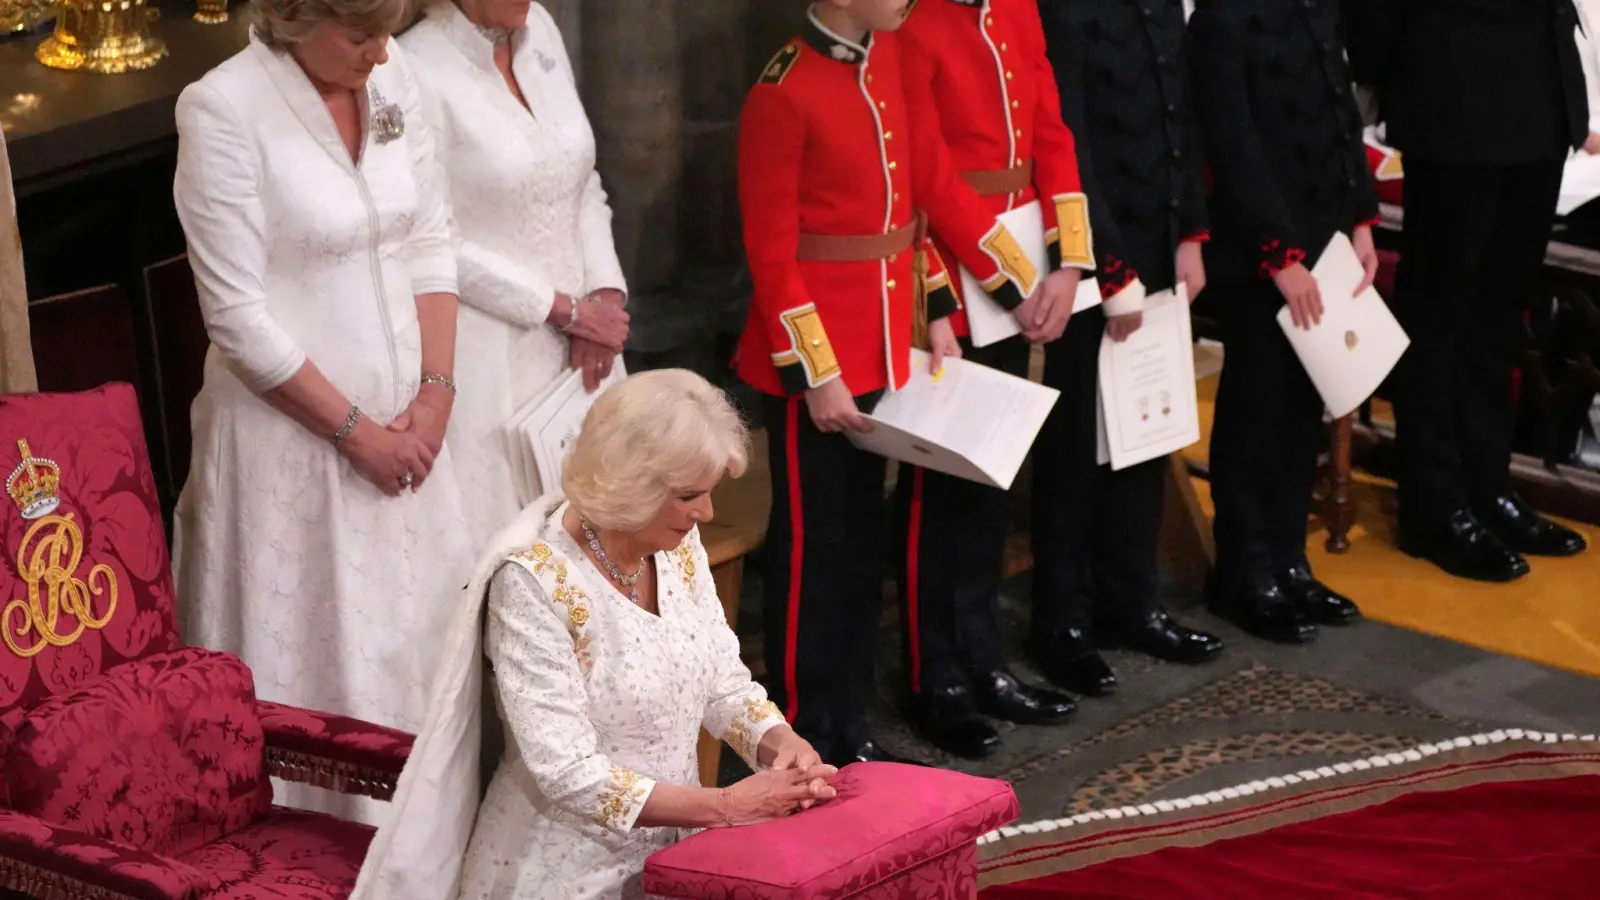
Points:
[(1120, 70), (1274, 98), (1473, 82)]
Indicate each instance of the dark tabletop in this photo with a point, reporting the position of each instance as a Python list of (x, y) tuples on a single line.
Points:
[(57, 122)]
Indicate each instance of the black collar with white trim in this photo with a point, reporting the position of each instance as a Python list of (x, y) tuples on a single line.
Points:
[(825, 41)]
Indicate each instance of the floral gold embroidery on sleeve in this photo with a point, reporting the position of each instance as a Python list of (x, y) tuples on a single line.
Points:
[(685, 555), (618, 799), (567, 596), (741, 734)]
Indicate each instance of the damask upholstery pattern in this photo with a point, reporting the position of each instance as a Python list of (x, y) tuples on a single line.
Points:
[(286, 855), (895, 832), (333, 751), (81, 490), (66, 863), (164, 754)]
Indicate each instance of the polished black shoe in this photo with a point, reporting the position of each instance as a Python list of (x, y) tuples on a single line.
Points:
[(1002, 696), (1266, 611), (1157, 634), (1465, 549), (1070, 661), (1319, 602), (948, 718), (1523, 530), (865, 751)]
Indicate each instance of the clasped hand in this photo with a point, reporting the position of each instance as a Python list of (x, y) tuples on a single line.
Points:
[(1043, 316), (408, 446), (776, 793), (598, 336)]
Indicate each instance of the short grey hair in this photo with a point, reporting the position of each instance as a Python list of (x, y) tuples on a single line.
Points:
[(647, 437), (281, 24)]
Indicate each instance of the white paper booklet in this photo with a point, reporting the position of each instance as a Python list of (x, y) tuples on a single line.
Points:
[(987, 320), (1147, 405), (541, 432), (972, 421), (1358, 341)]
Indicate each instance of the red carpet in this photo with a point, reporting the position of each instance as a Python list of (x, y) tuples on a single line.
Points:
[(1513, 819)]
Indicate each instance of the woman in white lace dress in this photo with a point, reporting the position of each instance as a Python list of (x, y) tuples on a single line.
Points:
[(609, 653), (321, 524), (541, 288)]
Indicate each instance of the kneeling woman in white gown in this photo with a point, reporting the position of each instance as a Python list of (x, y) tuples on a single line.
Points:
[(541, 288), (608, 652)]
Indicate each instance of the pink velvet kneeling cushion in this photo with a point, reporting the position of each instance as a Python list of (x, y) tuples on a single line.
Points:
[(891, 827)]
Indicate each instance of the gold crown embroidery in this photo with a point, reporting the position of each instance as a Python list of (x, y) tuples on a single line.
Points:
[(34, 485)]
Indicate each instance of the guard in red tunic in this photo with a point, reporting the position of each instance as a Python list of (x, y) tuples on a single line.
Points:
[(831, 181), (979, 85)]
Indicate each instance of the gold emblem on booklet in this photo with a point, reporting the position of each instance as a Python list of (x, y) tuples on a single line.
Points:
[(1351, 339)]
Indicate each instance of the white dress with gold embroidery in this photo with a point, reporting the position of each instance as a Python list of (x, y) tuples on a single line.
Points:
[(601, 701)]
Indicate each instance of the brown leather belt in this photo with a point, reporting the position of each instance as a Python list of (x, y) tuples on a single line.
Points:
[(856, 248), (1001, 181)]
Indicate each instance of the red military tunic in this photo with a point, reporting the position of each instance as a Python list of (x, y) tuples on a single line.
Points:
[(826, 152), (978, 80)]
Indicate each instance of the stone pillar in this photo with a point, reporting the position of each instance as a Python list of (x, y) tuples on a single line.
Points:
[(633, 91), (715, 82)]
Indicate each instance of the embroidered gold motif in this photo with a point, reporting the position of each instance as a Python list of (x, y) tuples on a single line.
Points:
[(575, 601), (741, 736), (685, 555), (778, 67), (1391, 167), (1002, 247), (810, 342), (52, 563), (1077, 240), (618, 799)]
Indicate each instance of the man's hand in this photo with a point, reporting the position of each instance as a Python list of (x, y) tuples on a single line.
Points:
[(1591, 144), (942, 344), (1118, 328), (1055, 296), (1192, 268), (1361, 239), (1300, 291), (833, 410)]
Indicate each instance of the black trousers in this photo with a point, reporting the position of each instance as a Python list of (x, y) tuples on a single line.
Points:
[(1265, 440), (954, 535), (1095, 531), (823, 588), (1474, 241)]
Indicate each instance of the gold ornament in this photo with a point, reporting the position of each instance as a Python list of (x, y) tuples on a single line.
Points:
[(24, 15), (107, 37), (211, 12)]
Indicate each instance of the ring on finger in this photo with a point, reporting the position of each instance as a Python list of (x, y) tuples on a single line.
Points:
[(407, 480)]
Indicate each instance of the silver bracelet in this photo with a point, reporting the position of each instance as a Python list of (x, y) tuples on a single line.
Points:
[(349, 425), (442, 380)]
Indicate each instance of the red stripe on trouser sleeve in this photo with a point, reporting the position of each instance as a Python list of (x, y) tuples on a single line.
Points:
[(913, 559), (797, 544)]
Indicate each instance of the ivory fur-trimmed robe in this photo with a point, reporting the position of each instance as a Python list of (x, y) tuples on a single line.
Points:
[(597, 701)]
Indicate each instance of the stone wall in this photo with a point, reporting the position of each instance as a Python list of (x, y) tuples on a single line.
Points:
[(663, 82)]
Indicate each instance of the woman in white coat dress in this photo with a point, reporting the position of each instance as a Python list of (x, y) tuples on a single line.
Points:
[(541, 288), (320, 533)]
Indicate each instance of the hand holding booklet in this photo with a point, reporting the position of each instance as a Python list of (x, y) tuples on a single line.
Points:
[(969, 421), (1357, 343), (542, 431), (1147, 405), (987, 320)]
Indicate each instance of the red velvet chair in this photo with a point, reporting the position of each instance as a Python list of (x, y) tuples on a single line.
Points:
[(132, 766)]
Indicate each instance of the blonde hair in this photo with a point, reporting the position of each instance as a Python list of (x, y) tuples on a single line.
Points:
[(647, 437), (281, 24)]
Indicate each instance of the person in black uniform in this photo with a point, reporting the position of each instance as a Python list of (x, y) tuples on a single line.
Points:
[(1119, 67), (1274, 99), (1484, 99)]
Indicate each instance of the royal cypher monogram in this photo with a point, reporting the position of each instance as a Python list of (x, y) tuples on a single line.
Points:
[(47, 560)]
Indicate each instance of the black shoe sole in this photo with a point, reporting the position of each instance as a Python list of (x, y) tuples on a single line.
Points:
[(1026, 719)]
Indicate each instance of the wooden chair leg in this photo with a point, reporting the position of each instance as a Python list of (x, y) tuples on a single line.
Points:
[(729, 578), (1187, 548), (1338, 508)]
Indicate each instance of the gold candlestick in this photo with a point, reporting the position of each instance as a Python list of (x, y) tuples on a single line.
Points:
[(107, 37), (211, 12)]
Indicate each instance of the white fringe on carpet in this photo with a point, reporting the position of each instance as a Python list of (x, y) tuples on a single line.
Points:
[(1416, 754)]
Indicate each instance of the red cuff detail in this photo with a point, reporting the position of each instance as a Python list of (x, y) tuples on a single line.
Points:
[(1277, 256), (1197, 237), (1373, 222), (1114, 276)]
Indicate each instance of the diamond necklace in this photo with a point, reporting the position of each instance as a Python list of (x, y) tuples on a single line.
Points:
[(631, 582)]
